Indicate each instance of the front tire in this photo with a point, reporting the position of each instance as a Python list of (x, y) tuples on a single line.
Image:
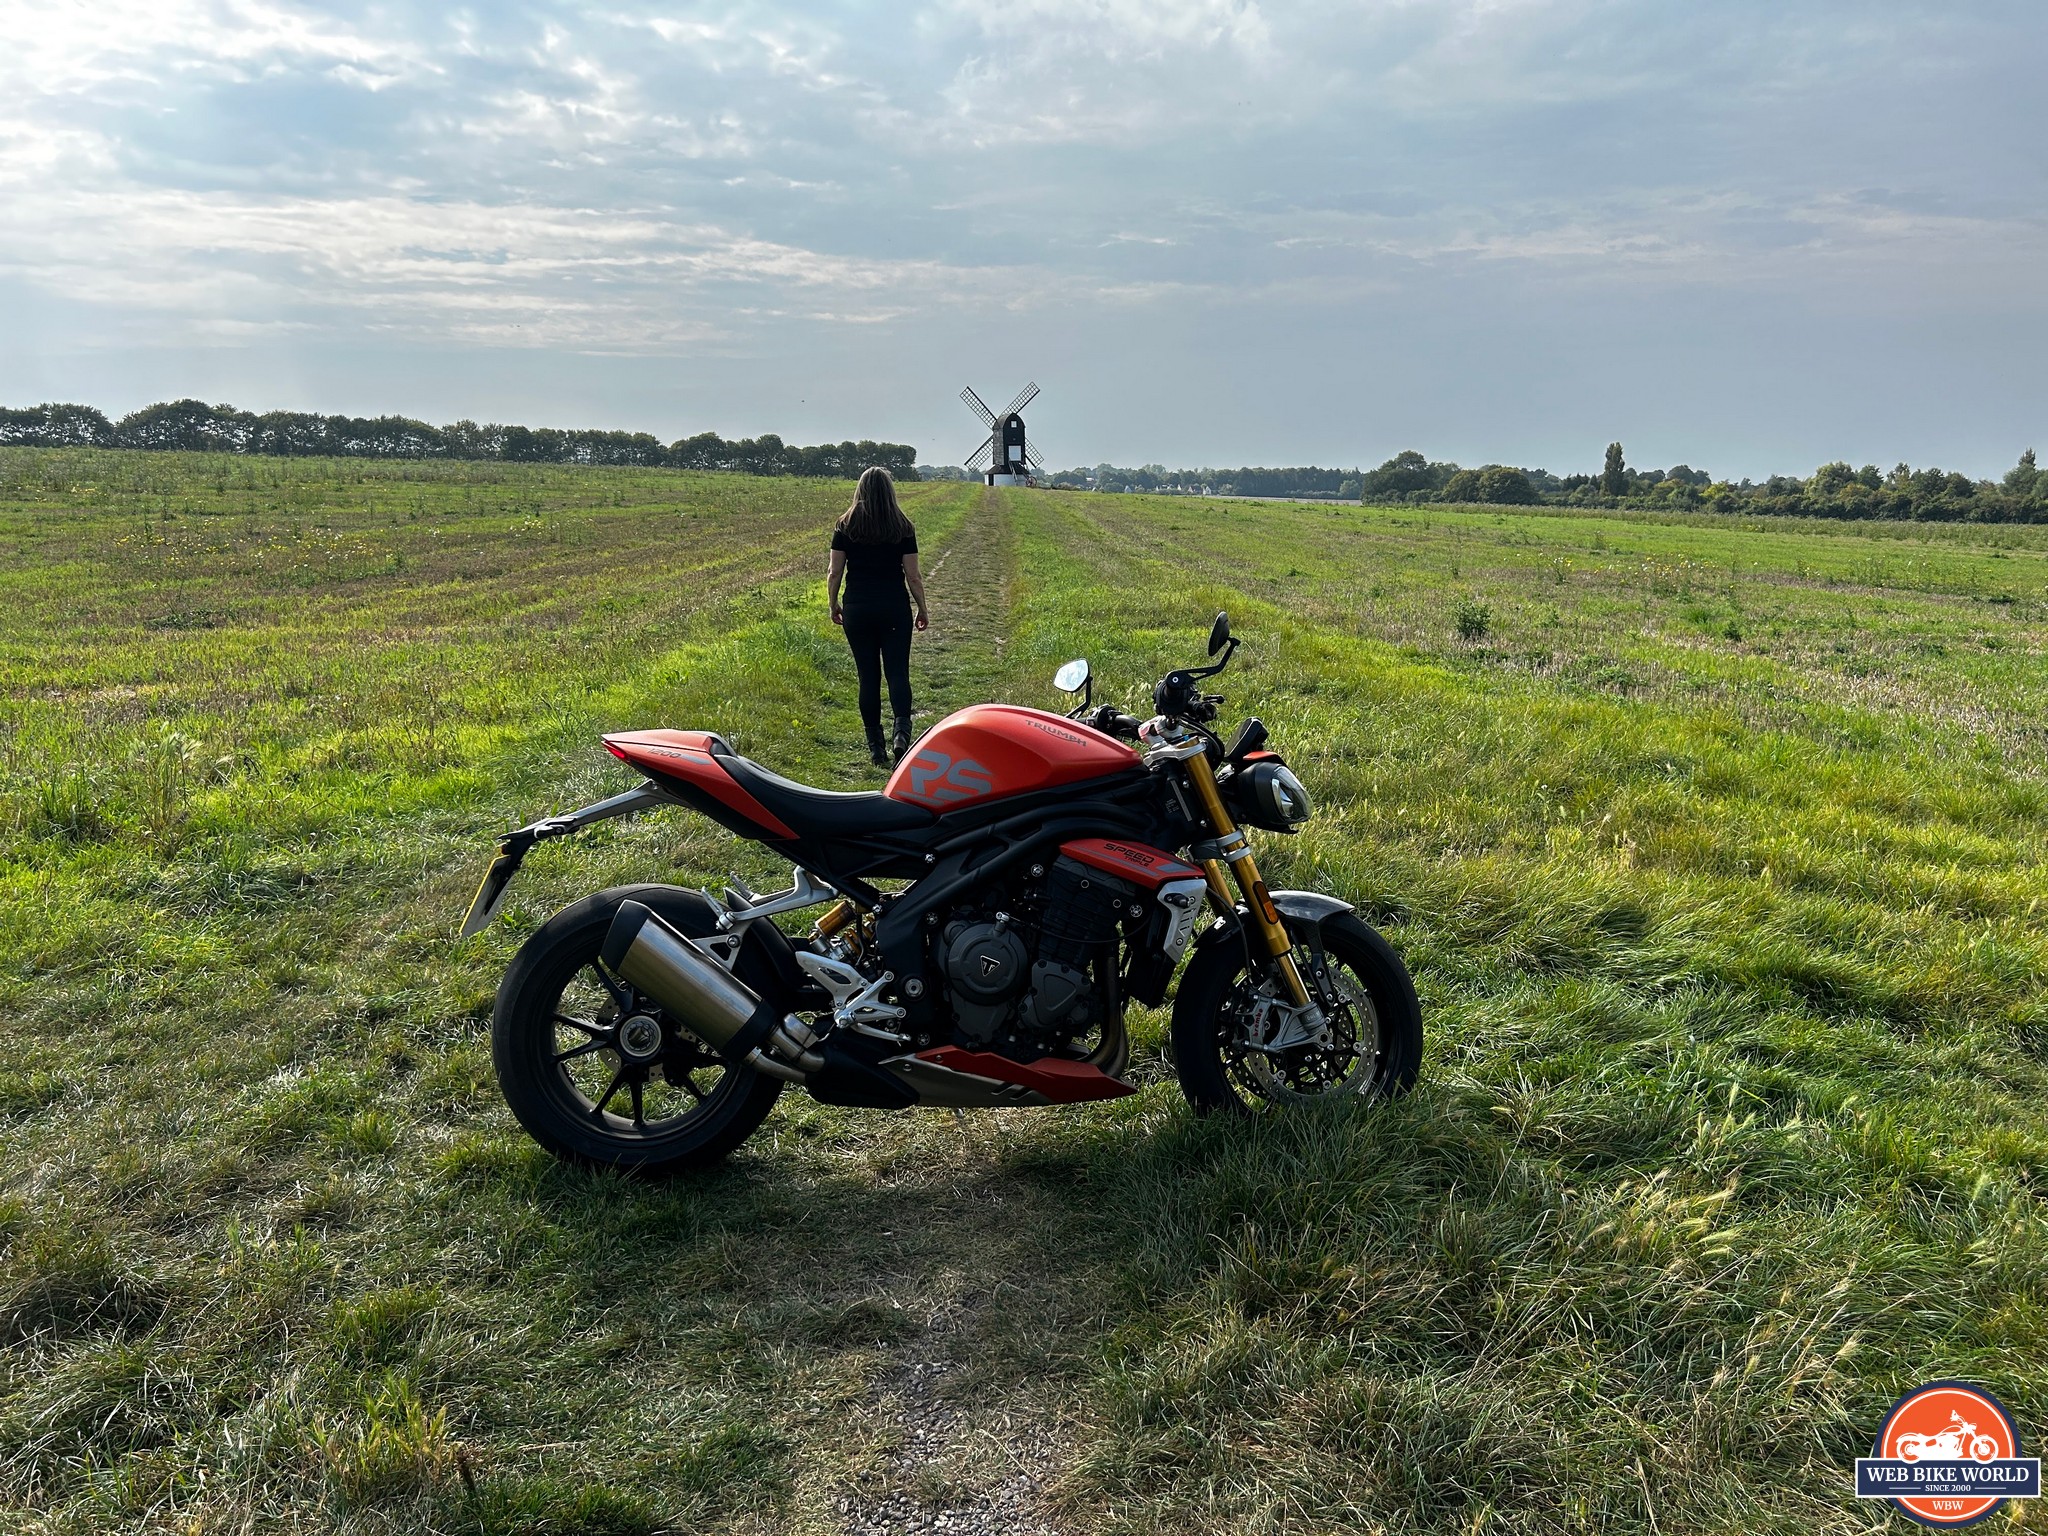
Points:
[(1372, 1044), (595, 1073)]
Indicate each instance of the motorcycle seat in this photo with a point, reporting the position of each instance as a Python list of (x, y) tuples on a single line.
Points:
[(820, 814)]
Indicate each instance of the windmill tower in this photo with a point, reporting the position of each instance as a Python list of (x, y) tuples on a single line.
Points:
[(1010, 458)]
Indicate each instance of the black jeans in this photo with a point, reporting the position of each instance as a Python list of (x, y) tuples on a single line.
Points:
[(880, 637)]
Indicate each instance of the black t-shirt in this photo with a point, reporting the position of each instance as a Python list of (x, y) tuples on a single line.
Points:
[(874, 572)]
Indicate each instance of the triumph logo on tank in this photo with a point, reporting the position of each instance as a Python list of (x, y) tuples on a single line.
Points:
[(1948, 1455)]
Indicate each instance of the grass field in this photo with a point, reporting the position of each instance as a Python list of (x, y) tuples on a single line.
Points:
[(1715, 850)]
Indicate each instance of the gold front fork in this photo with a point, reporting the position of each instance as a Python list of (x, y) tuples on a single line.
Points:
[(1237, 853)]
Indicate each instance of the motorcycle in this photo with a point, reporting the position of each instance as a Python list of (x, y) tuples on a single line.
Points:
[(1959, 1442), (1057, 868)]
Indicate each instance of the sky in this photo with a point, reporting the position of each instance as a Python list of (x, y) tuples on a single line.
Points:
[(1746, 236)]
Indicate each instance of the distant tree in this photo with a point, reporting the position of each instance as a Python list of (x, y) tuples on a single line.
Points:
[(1502, 485), (1829, 480), (2023, 476), (1351, 490), (699, 452), (55, 426), (1614, 474), (1463, 486), (192, 426), (466, 440), (383, 437), (1403, 475)]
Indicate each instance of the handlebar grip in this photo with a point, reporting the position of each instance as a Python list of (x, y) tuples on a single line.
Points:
[(1112, 721)]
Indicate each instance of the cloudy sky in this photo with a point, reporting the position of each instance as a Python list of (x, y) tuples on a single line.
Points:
[(1746, 235)]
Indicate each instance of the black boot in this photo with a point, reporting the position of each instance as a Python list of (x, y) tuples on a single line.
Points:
[(902, 736), (878, 750)]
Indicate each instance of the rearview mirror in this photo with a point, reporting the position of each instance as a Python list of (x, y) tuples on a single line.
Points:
[(1219, 633), (1073, 677)]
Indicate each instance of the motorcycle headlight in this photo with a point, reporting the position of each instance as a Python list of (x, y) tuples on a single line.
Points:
[(1269, 796)]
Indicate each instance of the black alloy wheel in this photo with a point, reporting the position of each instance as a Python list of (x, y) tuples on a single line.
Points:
[(596, 1073), (1226, 1009)]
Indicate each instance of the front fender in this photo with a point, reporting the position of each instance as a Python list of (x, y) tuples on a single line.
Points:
[(1309, 906), (1305, 906)]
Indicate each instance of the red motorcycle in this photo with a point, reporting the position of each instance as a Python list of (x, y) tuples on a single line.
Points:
[(1056, 868)]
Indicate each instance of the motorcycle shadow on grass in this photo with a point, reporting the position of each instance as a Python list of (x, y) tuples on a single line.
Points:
[(1004, 1261)]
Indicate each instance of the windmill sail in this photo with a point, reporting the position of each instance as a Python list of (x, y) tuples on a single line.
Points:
[(974, 404), (1024, 397), (973, 460)]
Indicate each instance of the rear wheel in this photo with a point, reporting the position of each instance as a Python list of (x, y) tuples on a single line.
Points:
[(1230, 1030), (595, 1072)]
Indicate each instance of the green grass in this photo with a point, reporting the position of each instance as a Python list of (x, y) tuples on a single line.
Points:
[(1715, 849)]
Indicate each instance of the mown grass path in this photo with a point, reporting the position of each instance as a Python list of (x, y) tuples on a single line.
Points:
[(969, 588), (1715, 850)]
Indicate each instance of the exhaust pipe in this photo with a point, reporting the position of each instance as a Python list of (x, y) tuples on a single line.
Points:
[(704, 997)]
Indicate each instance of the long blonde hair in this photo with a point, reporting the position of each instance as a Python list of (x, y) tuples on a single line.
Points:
[(874, 517)]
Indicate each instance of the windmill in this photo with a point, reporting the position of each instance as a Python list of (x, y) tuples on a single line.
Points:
[(1010, 459)]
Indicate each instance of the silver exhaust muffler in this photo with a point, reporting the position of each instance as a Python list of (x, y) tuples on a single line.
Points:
[(704, 997)]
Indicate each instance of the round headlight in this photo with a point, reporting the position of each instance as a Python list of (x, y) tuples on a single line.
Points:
[(1290, 799), (1276, 797)]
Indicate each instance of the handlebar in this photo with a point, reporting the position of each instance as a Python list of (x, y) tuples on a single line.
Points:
[(1177, 696), (1112, 721)]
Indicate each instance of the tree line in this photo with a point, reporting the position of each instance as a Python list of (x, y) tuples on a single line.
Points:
[(194, 426), (1837, 490), (1337, 484)]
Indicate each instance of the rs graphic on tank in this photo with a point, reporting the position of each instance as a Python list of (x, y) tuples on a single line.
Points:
[(1044, 872)]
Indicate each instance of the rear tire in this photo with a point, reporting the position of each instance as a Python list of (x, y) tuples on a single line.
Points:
[(1219, 991), (678, 1110)]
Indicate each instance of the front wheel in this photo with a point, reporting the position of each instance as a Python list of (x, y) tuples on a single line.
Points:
[(1229, 1024), (595, 1072)]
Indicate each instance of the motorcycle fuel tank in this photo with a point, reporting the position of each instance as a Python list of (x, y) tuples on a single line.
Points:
[(991, 750)]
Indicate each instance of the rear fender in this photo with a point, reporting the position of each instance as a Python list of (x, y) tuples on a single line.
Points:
[(514, 846)]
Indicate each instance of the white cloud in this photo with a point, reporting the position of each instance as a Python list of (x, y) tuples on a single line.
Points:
[(1114, 31), (69, 46), (613, 280)]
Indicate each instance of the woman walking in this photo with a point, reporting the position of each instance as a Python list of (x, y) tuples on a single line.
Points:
[(874, 552)]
